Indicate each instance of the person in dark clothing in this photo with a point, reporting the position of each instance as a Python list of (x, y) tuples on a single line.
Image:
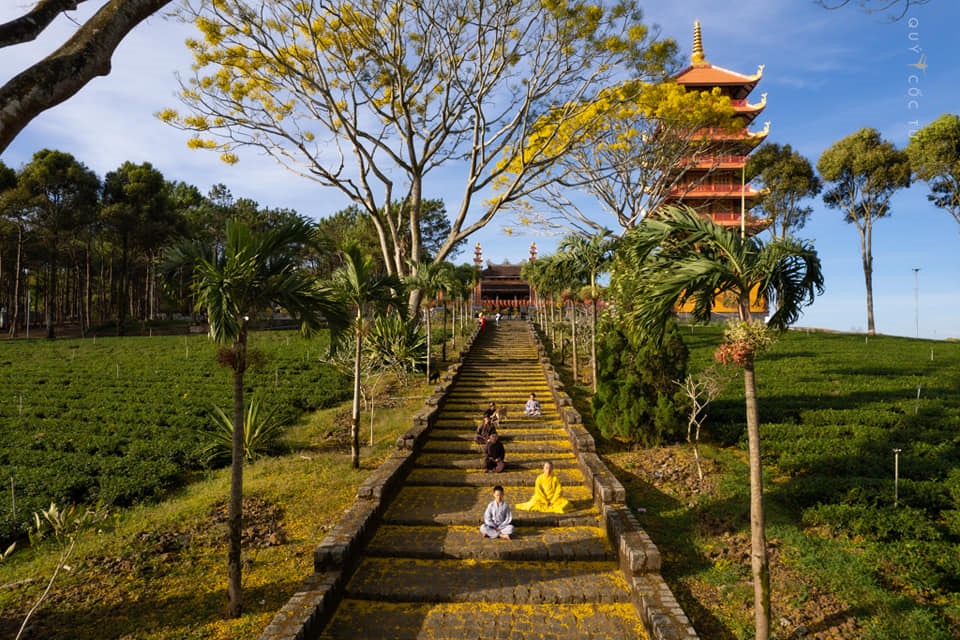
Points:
[(484, 431), (493, 455), (492, 413)]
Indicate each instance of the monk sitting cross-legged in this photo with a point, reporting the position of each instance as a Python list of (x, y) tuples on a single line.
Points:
[(547, 494)]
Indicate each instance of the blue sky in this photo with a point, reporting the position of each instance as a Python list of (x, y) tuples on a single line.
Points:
[(826, 73)]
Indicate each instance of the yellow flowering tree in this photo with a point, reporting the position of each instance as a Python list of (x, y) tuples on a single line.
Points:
[(622, 154), (372, 97)]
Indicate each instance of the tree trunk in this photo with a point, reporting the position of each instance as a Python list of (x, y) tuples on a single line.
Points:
[(429, 341), (15, 314), (573, 341), (235, 508), (87, 293), (758, 536), (355, 416), (443, 335), (122, 290), (866, 251), (593, 344), (49, 298), (553, 324)]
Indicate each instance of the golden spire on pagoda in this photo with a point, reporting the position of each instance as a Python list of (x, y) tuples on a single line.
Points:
[(697, 58)]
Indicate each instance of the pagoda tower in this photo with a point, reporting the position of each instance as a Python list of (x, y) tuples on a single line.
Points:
[(715, 185)]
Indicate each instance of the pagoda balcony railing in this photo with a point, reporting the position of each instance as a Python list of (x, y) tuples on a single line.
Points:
[(711, 189), (726, 217), (724, 133), (725, 160)]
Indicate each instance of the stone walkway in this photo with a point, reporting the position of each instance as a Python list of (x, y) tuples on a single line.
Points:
[(427, 573)]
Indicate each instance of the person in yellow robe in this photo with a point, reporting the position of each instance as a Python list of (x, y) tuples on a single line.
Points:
[(547, 494)]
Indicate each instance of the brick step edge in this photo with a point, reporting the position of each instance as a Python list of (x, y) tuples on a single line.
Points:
[(538, 520), (502, 551)]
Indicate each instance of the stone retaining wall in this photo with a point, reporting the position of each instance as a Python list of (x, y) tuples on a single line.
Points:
[(334, 560), (638, 556)]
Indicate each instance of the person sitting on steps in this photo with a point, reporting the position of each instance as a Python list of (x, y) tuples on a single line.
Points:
[(493, 414), (493, 455), (532, 407), (547, 494), (497, 517), (484, 431)]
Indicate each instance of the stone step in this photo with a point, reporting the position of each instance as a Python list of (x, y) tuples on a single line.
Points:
[(426, 571), (463, 542), (505, 581), (484, 372), (546, 447), (482, 392), (515, 403), (454, 420), (465, 506), (508, 433), (518, 381), (458, 621), (528, 461), (514, 476)]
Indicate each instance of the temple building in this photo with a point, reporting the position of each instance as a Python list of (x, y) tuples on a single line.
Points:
[(715, 184), (501, 285)]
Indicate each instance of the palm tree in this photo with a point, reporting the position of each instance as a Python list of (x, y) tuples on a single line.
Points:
[(681, 256), (588, 257), (549, 283), (430, 279), (231, 282), (533, 272), (561, 278), (359, 283), (467, 276)]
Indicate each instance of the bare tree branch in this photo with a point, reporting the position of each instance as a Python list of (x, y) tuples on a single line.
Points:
[(62, 74), (876, 6), (28, 26)]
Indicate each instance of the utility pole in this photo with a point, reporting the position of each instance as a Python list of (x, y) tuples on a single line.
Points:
[(916, 299), (896, 476)]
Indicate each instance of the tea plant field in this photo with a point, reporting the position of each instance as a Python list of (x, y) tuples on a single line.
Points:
[(861, 440), (122, 420)]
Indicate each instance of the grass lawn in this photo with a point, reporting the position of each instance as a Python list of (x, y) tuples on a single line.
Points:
[(846, 561), (159, 571)]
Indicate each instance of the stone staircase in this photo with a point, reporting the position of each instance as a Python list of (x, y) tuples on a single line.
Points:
[(412, 563)]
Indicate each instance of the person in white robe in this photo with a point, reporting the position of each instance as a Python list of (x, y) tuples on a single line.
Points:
[(497, 517), (532, 408)]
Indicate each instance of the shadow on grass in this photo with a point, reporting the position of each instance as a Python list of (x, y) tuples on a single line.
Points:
[(149, 614), (681, 558)]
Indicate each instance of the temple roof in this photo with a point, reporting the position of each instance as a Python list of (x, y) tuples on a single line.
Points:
[(501, 271), (748, 111), (701, 73), (711, 76)]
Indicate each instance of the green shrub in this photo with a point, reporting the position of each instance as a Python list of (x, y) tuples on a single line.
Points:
[(119, 420), (886, 523), (637, 398)]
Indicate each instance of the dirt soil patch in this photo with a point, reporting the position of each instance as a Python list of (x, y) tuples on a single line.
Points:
[(800, 609)]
